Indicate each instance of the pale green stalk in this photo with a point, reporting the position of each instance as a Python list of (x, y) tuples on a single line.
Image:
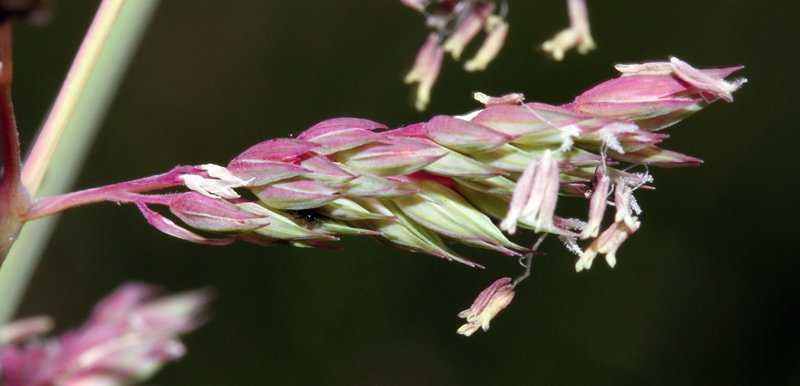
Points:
[(66, 136)]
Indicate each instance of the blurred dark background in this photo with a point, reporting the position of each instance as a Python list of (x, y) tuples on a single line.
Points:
[(707, 292)]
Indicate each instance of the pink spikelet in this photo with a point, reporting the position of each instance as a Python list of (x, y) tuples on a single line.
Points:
[(448, 180)]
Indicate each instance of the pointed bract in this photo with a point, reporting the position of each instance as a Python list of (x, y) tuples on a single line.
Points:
[(455, 164), (656, 156), (370, 185), (169, 227), (538, 124), (465, 136), (297, 194), (348, 210), (324, 170), (282, 226), (213, 215), (651, 90), (271, 161), (406, 233), (339, 134), (704, 82), (281, 149), (262, 172), (334, 227), (447, 213), (397, 156)]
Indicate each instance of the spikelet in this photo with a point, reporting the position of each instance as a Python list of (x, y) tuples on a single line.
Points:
[(460, 180)]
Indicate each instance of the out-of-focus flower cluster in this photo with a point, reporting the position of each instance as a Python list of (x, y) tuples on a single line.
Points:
[(462, 179), (456, 23), (129, 336)]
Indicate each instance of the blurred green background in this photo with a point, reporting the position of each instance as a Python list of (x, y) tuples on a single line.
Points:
[(707, 292)]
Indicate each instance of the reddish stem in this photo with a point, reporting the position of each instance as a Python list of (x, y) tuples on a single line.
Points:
[(13, 198), (119, 192), (8, 124)]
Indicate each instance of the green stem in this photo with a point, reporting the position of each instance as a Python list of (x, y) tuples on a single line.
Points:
[(71, 92), (71, 125)]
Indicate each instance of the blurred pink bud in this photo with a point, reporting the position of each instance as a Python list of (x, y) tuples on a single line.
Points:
[(467, 29), (454, 24), (498, 30), (24, 329), (130, 335), (426, 70), (486, 306), (417, 5), (577, 35)]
